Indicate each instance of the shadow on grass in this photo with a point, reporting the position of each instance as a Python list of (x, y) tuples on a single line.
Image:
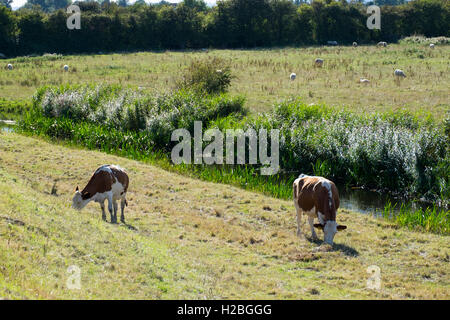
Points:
[(129, 226), (348, 251)]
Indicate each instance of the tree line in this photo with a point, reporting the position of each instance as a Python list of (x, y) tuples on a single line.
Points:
[(108, 26)]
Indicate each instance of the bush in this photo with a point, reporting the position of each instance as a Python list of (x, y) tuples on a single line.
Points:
[(392, 151), (126, 110), (425, 40), (209, 76)]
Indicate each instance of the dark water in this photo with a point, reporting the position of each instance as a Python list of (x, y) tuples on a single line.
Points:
[(7, 125), (372, 202)]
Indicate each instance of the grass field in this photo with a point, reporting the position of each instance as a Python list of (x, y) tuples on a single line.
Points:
[(262, 76), (188, 239)]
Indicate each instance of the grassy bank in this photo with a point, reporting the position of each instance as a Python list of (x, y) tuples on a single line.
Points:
[(188, 239), (396, 152), (262, 76)]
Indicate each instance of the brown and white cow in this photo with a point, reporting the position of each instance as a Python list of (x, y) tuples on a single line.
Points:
[(109, 182), (317, 197)]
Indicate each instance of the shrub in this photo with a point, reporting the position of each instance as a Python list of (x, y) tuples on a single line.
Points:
[(126, 110), (393, 151), (425, 40), (211, 76)]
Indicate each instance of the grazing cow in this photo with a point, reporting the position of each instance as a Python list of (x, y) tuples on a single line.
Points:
[(108, 182), (9, 66), (332, 43), (66, 68), (382, 44), (318, 198), (293, 76), (355, 44), (431, 45)]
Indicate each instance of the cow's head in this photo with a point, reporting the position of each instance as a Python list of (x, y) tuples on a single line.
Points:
[(329, 230), (80, 200)]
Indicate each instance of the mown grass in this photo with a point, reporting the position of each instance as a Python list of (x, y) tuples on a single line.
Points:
[(262, 76), (188, 239)]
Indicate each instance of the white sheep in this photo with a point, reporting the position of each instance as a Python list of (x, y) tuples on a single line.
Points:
[(364, 80), (9, 66), (355, 44), (399, 73), (66, 68), (431, 45), (382, 44), (293, 76), (318, 62)]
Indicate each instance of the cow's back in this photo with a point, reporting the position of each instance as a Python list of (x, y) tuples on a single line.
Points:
[(317, 193), (121, 176)]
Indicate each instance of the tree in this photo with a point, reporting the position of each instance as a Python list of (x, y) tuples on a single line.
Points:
[(6, 3), (48, 5), (8, 30), (283, 13), (198, 5), (389, 2)]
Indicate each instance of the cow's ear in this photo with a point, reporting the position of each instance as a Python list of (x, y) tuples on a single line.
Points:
[(318, 225), (86, 196), (340, 228), (77, 189)]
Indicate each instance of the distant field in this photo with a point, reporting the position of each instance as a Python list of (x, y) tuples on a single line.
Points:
[(263, 75), (189, 239)]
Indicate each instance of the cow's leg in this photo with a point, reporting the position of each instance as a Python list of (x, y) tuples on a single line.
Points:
[(299, 221), (298, 212), (110, 208), (311, 224), (122, 208), (102, 205), (115, 210)]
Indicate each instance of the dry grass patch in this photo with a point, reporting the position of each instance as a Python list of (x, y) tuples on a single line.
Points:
[(186, 238)]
